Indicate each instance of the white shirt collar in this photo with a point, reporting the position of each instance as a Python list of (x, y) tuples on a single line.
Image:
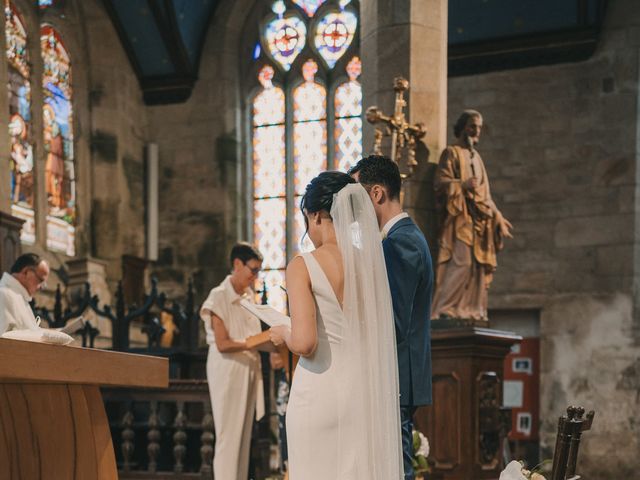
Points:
[(232, 295), (12, 283), (392, 222)]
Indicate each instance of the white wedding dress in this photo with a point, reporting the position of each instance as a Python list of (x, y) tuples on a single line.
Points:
[(343, 417), (312, 415)]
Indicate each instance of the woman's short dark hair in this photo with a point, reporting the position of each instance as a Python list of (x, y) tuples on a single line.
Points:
[(25, 261), (318, 196), (244, 252), (379, 170)]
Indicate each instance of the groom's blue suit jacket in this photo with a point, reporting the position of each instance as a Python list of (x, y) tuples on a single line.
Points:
[(410, 273)]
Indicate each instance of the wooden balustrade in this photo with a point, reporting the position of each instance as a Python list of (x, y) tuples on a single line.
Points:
[(162, 433)]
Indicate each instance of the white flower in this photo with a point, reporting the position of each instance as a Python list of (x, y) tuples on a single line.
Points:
[(424, 446), (513, 472)]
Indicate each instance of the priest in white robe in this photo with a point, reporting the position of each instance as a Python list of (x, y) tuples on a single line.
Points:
[(28, 274)]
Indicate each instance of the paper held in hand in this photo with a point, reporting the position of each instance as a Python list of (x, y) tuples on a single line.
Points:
[(267, 314), (73, 326)]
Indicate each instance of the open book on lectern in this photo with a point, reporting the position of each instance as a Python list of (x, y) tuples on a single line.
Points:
[(267, 314)]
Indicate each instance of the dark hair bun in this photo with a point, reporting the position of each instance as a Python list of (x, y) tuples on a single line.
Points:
[(320, 191)]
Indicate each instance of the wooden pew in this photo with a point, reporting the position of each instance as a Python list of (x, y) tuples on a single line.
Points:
[(53, 423)]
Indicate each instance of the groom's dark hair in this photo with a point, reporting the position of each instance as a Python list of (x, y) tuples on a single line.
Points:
[(379, 170)]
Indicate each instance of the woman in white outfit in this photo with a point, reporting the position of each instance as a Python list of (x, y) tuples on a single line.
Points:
[(233, 372), (343, 418)]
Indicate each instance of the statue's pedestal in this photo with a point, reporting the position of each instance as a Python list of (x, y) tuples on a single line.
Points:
[(465, 425)]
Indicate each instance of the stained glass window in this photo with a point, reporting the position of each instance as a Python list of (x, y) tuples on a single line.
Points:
[(269, 185), (45, 3), (309, 128), (348, 123), (21, 153), (304, 126), (286, 37), (309, 6), (309, 141), (334, 34), (57, 116)]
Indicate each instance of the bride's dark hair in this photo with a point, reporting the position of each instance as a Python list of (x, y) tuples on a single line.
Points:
[(318, 195)]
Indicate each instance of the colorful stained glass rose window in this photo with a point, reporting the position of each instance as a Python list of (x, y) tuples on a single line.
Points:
[(334, 34), (285, 38)]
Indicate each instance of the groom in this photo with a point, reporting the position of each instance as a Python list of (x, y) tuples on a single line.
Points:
[(410, 275)]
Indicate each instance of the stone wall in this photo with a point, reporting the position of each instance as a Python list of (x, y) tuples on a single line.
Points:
[(202, 174), (110, 125), (118, 133), (560, 147)]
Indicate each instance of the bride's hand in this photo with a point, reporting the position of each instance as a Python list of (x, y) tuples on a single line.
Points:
[(279, 334)]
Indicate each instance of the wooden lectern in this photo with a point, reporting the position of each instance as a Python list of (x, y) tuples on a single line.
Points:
[(464, 425), (53, 423)]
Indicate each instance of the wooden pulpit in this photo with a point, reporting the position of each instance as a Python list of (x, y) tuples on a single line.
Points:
[(53, 423), (466, 424)]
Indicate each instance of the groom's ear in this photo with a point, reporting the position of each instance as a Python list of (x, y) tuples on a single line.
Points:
[(379, 194)]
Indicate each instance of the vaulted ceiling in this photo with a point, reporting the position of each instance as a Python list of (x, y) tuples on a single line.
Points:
[(164, 38)]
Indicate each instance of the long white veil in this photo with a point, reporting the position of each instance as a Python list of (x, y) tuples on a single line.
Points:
[(369, 424)]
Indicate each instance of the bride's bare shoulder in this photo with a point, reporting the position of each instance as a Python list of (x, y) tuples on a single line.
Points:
[(297, 269)]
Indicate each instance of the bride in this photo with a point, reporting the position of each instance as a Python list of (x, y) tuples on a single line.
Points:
[(343, 420)]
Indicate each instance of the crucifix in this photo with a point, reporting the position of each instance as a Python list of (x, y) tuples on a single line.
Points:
[(404, 137)]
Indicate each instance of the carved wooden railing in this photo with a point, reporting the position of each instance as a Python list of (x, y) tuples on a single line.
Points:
[(185, 319), (169, 433), (161, 433)]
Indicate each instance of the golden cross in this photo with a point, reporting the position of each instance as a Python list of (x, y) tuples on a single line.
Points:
[(404, 136)]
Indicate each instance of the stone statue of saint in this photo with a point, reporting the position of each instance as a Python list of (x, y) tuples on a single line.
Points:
[(472, 230)]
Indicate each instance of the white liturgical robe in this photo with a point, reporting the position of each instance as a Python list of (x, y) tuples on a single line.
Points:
[(15, 311), (235, 383)]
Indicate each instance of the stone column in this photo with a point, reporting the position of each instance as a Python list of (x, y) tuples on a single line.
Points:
[(10, 247), (409, 38), (5, 146)]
